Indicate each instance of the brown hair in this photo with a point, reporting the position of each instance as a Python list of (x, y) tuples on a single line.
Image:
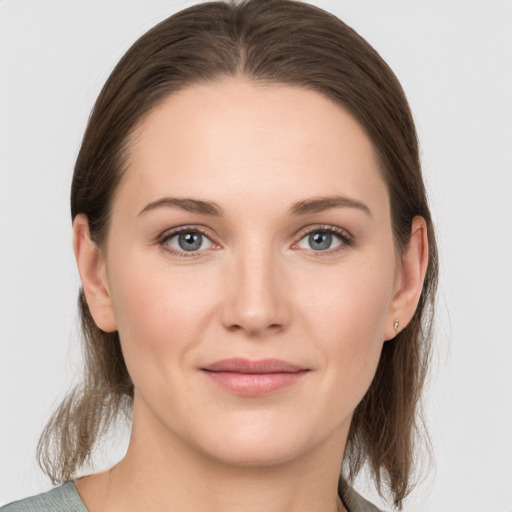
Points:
[(276, 41)]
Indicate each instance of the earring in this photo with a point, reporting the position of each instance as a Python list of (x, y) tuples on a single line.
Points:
[(396, 323)]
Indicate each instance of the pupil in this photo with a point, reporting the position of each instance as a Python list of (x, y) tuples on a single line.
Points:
[(320, 241), (190, 241)]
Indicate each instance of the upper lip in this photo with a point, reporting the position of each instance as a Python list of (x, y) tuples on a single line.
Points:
[(260, 366)]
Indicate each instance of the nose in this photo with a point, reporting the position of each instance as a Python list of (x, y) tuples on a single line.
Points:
[(255, 301)]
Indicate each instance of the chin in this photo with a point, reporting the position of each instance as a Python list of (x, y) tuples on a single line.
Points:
[(257, 445), (254, 455)]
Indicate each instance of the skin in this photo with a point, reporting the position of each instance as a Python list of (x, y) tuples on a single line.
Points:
[(256, 289)]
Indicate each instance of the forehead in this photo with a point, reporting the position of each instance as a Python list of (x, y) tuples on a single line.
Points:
[(237, 135)]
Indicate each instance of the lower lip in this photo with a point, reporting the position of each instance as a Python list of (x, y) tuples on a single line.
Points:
[(254, 384)]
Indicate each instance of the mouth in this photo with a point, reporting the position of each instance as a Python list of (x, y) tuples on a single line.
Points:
[(247, 377)]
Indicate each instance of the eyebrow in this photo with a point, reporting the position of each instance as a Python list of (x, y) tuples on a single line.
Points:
[(305, 207), (186, 204), (320, 204)]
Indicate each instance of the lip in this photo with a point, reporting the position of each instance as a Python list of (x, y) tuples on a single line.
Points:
[(248, 377)]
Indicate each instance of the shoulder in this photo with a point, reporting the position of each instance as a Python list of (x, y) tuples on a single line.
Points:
[(61, 499), (352, 500)]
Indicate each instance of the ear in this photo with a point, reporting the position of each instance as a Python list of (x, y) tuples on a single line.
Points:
[(91, 265), (410, 277)]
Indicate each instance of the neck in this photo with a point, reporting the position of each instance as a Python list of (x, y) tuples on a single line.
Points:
[(159, 470)]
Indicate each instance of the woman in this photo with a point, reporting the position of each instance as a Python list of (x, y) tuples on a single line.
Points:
[(258, 262)]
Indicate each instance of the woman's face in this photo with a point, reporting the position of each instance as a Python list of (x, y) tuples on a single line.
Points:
[(252, 270)]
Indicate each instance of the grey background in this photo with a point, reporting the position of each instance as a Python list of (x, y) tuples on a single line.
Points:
[(453, 58)]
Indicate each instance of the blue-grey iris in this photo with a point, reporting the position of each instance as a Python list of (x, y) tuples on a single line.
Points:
[(190, 241), (320, 241)]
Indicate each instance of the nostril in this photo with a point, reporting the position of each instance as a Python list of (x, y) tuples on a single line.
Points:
[(256, 309), (255, 331)]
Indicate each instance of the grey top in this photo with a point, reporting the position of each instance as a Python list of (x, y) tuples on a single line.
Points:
[(66, 499), (61, 499)]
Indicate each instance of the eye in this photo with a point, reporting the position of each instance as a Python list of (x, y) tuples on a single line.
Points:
[(186, 240), (324, 239)]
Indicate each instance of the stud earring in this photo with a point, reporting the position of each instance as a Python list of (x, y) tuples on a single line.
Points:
[(396, 323)]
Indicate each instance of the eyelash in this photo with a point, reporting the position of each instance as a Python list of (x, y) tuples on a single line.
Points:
[(345, 238), (174, 232)]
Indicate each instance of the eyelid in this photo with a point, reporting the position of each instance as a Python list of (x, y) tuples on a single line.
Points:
[(346, 238), (343, 234), (170, 233)]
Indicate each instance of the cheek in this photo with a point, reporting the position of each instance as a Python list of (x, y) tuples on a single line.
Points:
[(349, 304), (158, 310), (347, 313)]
